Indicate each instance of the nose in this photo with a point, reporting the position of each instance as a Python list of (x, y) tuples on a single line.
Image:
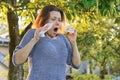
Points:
[(57, 22)]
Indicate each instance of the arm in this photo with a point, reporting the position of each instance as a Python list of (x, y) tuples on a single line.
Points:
[(29, 40), (75, 52), (22, 54)]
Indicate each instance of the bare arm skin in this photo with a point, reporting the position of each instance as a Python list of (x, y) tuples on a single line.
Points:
[(76, 54), (22, 54)]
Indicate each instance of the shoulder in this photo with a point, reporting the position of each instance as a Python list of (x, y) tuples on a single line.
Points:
[(64, 37), (31, 31)]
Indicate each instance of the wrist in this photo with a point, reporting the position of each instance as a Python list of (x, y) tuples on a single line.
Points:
[(73, 43)]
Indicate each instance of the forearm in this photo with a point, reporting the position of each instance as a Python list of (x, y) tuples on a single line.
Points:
[(22, 54), (76, 55)]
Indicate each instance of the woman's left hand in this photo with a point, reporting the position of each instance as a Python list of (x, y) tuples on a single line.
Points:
[(72, 36)]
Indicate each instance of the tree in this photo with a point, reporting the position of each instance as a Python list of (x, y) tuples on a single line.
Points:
[(8, 7), (14, 40), (12, 19), (98, 40)]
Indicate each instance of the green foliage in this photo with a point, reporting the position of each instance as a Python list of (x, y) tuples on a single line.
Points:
[(98, 39), (108, 7), (87, 4), (3, 11), (72, 8), (90, 77), (86, 77)]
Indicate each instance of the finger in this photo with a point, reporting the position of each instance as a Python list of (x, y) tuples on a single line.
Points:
[(45, 27), (68, 32), (75, 31)]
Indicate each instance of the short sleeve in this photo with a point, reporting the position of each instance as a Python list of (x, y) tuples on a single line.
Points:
[(26, 38), (70, 52)]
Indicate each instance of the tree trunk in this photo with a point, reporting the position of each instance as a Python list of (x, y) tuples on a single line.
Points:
[(102, 74), (91, 65), (103, 69), (15, 73)]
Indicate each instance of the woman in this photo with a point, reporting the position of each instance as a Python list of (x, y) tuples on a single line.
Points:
[(48, 55)]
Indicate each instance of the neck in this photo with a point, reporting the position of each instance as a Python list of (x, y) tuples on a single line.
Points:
[(50, 36)]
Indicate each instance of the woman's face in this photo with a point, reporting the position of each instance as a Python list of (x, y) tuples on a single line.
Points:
[(55, 18)]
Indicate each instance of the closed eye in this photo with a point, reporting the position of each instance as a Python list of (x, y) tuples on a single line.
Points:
[(53, 19)]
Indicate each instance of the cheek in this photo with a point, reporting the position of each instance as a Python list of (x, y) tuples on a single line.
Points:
[(60, 24), (50, 31)]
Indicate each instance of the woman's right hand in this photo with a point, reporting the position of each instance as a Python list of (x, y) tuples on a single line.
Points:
[(38, 30), (36, 34)]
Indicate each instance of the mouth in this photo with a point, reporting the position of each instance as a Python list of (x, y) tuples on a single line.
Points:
[(55, 29)]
